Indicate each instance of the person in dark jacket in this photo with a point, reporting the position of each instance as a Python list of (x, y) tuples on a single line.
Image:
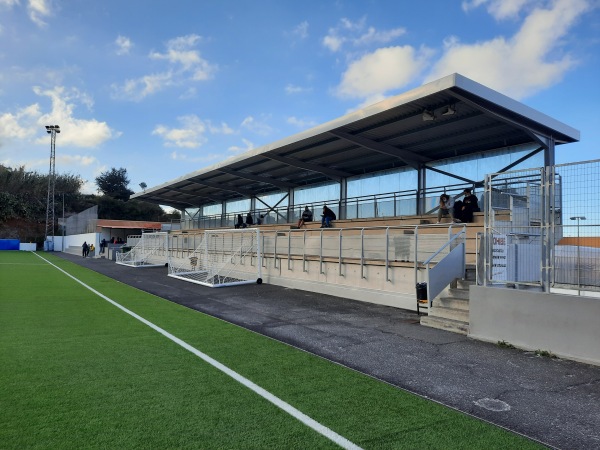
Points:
[(249, 220), (463, 210), (240, 222), (326, 218), (307, 216)]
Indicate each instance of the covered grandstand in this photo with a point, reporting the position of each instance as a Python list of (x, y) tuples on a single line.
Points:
[(382, 169)]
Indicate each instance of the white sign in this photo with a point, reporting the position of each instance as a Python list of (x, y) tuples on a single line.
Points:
[(499, 257)]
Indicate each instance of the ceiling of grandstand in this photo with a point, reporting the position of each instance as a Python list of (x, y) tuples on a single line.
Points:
[(449, 117)]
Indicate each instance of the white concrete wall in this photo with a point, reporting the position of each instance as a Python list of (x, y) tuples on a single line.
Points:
[(566, 325), (370, 286), (77, 240), (27, 247)]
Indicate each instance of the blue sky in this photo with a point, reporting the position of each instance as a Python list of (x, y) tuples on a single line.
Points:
[(164, 88)]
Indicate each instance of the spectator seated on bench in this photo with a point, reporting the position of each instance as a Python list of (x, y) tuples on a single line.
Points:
[(307, 216), (326, 218), (446, 208)]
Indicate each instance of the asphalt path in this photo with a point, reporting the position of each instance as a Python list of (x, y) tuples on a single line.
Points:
[(553, 401)]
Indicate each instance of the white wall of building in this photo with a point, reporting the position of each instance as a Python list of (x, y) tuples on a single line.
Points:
[(565, 325)]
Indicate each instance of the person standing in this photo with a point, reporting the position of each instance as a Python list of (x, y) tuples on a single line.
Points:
[(249, 220), (84, 249)]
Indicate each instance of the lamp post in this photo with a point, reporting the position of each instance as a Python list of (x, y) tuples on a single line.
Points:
[(51, 130), (578, 218)]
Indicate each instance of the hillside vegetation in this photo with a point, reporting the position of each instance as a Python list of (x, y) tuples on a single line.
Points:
[(24, 196)]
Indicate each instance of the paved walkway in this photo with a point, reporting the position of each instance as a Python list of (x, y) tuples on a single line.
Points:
[(556, 402)]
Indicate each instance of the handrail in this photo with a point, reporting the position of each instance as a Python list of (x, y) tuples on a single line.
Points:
[(451, 266), (428, 261)]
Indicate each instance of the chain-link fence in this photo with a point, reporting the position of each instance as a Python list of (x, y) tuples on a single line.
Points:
[(542, 227)]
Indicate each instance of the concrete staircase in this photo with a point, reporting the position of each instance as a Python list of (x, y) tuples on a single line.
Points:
[(450, 310)]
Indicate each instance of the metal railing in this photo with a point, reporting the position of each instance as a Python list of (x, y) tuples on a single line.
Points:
[(364, 246), (543, 229), (449, 268)]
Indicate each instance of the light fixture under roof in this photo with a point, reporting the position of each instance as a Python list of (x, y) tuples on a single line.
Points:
[(428, 115), (449, 110)]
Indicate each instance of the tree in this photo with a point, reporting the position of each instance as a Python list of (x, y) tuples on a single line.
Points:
[(113, 183)]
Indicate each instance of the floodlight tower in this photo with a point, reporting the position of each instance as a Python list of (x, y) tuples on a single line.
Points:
[(52, 130)]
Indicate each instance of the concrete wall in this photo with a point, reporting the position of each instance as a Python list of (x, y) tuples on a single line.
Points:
[(73, 243), (369, 285), (566, 325)]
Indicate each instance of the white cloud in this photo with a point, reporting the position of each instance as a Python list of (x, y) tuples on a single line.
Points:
[(191, 133), (333, 43), (257, 126), (39, 10), (299, 123), (355, 34), (293, 89), (9, 3), (140, 88), (179, 156), (20, 125), (184, 65), (74, 131), (123, 44), (373, 36), (28, 122), (522, 65), (223, 128), (499, 9), (247, 146), (75, 160), (301, 30), (383, 70)]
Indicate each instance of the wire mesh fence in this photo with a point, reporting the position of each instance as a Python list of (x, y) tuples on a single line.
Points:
[(542, 227)]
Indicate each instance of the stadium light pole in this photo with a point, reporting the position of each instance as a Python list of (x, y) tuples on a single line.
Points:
[(52, 130), (578, 218)]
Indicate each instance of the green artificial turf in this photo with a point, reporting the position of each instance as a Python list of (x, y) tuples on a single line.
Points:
[(77, 372)]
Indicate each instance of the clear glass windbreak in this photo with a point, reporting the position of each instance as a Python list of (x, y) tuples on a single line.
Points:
[(237, 206), (403, 179), (475, 167), (316, 194), (279, 198)]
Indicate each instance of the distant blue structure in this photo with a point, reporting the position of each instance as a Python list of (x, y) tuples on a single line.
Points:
[(9, 244)]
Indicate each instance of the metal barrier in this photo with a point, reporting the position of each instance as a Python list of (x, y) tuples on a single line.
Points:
[(542, 228)]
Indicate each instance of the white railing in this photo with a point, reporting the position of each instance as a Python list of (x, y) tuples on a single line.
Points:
[(361, 245), (449, 268)]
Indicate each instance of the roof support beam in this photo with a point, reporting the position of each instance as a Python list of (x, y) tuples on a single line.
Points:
[(466, 180), (410, 158), (223, 187), (272, 208), (252, 177), (193, 195), (535, 134), (334, 174)]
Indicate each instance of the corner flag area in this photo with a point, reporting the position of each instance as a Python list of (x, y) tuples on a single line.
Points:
[(88, 362)]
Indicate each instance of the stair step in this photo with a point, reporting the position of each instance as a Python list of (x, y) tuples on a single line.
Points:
[(464, 284), (450, 313), (451, 302), (455, 326), (458, 293)]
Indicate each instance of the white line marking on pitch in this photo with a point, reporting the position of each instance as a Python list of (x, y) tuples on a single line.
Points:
[(321, 429)]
